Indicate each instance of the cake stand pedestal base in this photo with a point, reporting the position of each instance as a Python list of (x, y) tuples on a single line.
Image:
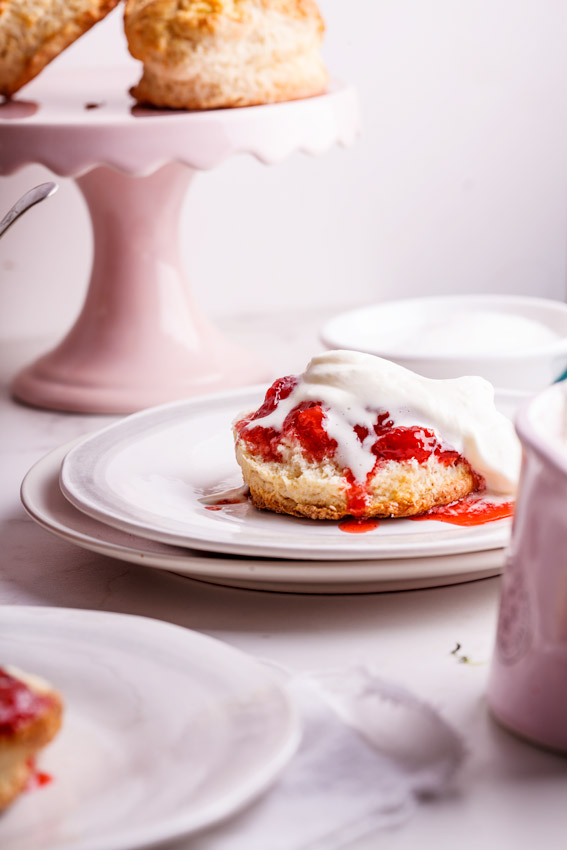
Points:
[(140, 339)]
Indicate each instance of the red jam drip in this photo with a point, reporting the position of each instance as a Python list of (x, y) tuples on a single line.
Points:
[(356, 495), (265, 441), (280, 389), (37, 778), (19, 704), (358, 525), (469, 511)]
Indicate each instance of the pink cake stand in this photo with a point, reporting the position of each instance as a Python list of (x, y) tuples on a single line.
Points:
[(139, 339)]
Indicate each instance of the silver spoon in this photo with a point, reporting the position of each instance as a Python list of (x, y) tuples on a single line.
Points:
[(34, 196)]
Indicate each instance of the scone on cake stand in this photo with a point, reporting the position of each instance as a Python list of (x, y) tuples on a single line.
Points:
[(139, 339)]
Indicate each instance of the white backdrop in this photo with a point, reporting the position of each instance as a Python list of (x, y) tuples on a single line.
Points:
[(458, 183)]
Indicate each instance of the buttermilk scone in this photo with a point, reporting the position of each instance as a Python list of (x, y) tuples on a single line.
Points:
[(33, 32), (207, 55), (30, 716), (358, 435)]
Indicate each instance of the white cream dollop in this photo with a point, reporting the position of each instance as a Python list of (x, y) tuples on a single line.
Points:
[(353, 387)]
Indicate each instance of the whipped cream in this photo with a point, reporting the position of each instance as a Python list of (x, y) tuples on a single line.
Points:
[(352, 387)]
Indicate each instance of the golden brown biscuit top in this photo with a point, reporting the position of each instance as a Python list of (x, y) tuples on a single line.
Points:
[(191, 15)]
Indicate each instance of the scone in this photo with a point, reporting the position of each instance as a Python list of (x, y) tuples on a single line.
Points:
[(30, 717), (357, 435), (33, 32), (225, 53)]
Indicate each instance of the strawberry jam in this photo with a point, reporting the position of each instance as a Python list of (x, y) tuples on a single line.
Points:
[(469, 511), (37, 778), (41, 778), (280, 389), (19, 705), (358, 525), (408, 443), (356, 494), (305, 424)]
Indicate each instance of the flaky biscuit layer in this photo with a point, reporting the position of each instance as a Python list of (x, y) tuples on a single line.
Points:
[(319, 491)]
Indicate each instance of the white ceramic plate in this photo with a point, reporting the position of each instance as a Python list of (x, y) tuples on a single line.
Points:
[(165, 730), (148, 474), (45, 503)]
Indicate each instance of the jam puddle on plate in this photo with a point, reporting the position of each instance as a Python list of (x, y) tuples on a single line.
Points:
[(358, 525), (469, 511), (38, 778)]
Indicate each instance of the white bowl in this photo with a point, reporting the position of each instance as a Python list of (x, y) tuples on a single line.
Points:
[(517, 343)]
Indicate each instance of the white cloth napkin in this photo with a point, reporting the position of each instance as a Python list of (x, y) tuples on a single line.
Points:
[(370, 751)]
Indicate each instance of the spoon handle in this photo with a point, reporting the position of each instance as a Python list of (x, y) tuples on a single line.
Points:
[(33, 196)]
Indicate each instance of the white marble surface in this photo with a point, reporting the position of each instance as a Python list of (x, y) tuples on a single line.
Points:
[(509, 794)]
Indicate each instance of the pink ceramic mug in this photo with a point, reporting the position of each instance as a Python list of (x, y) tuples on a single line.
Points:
[(527, 689)]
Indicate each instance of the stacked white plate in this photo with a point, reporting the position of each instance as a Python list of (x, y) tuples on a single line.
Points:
[(142, 490)]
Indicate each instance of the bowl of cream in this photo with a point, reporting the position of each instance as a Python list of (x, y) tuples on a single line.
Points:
[(527, 688), (517, 343)]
